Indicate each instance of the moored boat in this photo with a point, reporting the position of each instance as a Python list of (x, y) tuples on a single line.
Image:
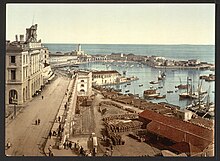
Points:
[(154, 82)]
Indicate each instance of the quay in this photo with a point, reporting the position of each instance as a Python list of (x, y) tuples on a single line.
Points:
[(57, 112)]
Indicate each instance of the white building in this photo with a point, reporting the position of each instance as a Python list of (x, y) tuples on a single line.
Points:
[(78, 51), (66, 59), (184, 114), (193, 62), (84, 83), (105, 77)]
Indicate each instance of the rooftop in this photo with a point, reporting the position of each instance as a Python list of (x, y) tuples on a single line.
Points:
[(179, 125), (106, 72)]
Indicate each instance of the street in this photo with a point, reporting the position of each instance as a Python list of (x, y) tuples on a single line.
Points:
[(27, 138)]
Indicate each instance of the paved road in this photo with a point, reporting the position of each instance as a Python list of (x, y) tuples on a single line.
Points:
[(26, 137)]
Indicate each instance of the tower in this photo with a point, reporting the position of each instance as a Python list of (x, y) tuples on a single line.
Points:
[(79, 47)]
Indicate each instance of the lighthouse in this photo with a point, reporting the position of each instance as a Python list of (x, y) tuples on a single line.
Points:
[(79, 47)]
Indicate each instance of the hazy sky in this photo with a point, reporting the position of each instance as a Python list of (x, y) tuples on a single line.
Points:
[(115, 24)]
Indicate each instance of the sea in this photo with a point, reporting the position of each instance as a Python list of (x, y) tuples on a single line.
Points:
[(145, 73)]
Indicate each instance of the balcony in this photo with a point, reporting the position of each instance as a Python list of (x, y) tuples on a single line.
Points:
[(13, 81), (13, 64)]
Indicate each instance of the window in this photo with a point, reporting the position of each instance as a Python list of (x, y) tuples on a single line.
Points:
[(82, 85), (13, 74), (45, 56), (13, 96), (82, 80), (82, 91), (12, 59)]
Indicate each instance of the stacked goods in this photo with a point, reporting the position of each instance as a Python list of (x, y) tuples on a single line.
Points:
[(124, 116), (124, 126), (115, 138)]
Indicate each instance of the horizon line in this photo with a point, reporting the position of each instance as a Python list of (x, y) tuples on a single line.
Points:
[(121, 43)]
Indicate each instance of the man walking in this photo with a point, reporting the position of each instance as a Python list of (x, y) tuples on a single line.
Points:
[(38, 121), (50, 134)]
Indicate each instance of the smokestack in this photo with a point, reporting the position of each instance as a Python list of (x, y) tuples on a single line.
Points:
[(16, 37), (22, 38)]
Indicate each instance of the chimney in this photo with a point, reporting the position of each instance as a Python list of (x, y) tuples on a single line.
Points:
[(22, 38), (16, 37)]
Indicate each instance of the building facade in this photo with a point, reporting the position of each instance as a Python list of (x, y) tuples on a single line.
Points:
[(105, 77), (24, 63), (84, 83)]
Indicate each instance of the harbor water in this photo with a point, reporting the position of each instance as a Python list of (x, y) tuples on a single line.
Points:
[(146, 73)]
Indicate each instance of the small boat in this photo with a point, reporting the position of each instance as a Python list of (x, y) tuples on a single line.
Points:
[(118, 90), (150, 94), (187, 95), (136, 95), (182, 86), (160, 87), (127, 91), (140, 85), (208, 78), (154, 82), (169, 91), (160, 97)]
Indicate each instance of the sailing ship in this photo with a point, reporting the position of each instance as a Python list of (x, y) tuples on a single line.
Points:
[(189, 94), (202, 108), (161, 75)]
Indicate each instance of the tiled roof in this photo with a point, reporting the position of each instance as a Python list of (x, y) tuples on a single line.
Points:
[(178, 135), (177, 130)]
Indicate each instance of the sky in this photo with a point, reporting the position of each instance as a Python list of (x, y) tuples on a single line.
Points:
[(114, 23)]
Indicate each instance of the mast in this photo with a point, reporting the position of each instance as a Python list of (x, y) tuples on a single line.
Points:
[(187, 89)]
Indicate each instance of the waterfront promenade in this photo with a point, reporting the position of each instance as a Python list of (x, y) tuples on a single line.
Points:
[(25, 137)]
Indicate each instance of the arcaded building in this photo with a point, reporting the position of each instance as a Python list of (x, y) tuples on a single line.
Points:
[(25, 60), (105, 77)]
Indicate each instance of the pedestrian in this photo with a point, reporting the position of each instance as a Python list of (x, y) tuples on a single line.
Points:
[(42, 97), (94, 152), (38, 121), (81, 150), (75, 146), (8, 145), (59, 119), (35, 122), (50, 134), (64, 144), (50, 148), (70, 145), (89, 154)]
